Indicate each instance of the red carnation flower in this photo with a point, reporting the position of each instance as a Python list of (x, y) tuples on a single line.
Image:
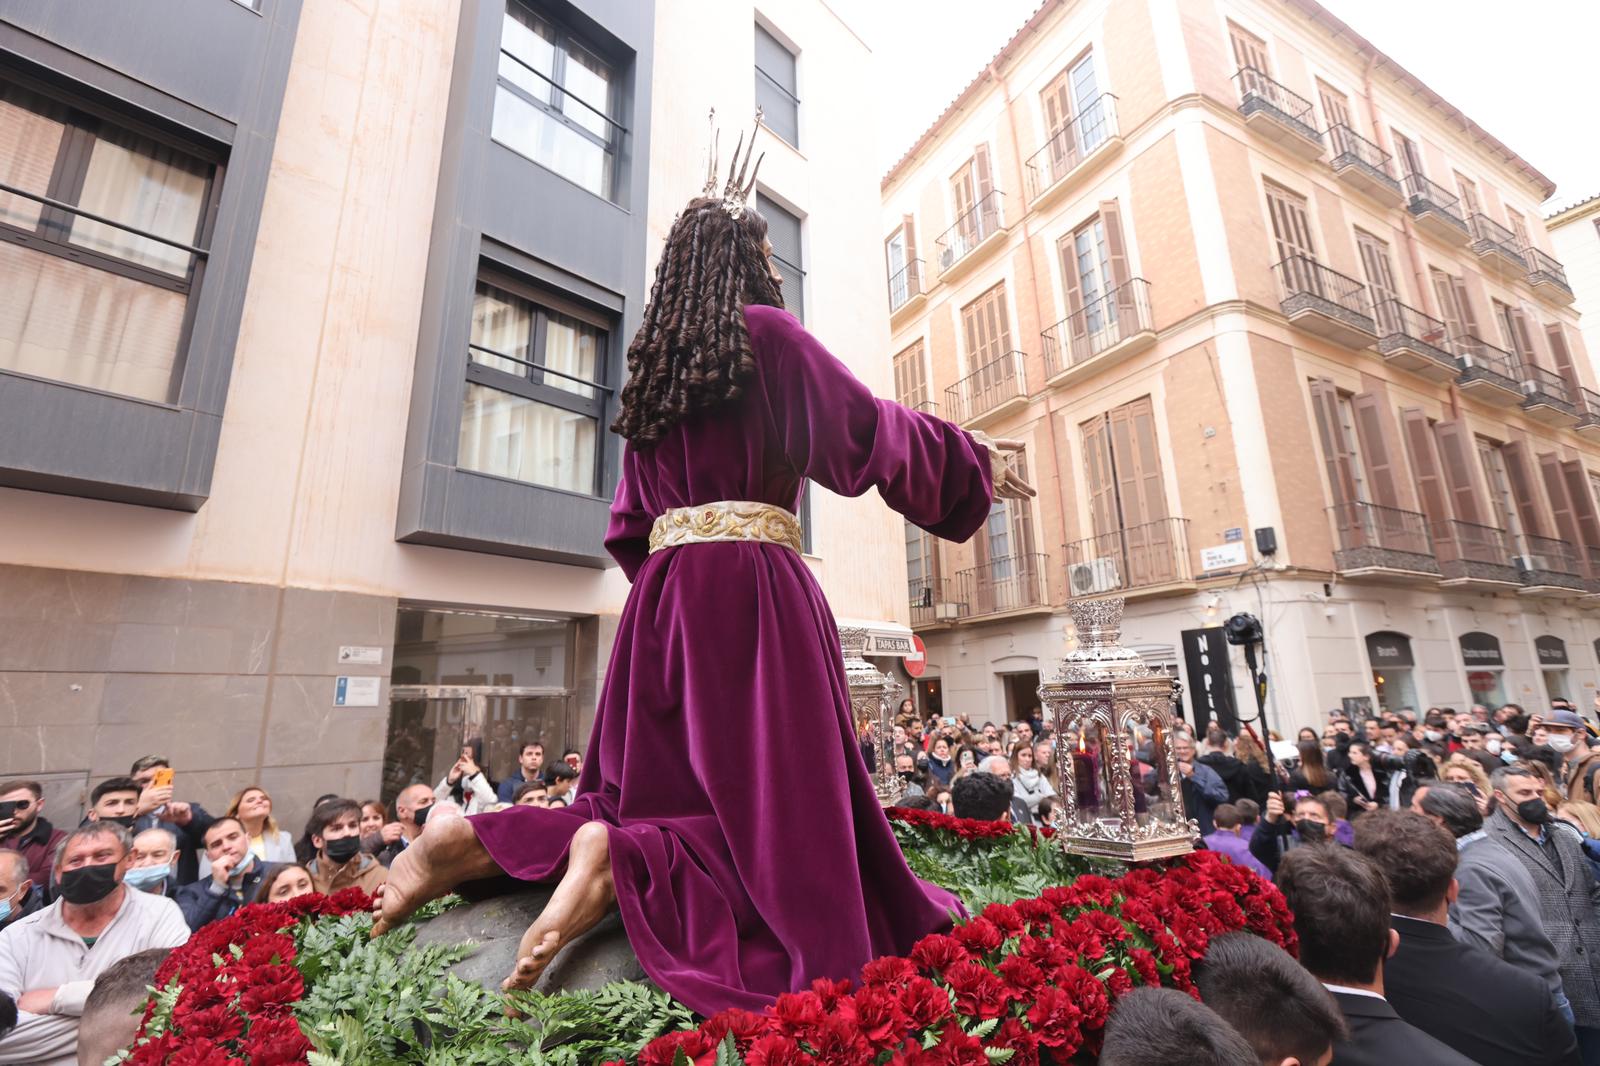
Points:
[(1056, 1020), (979, 936), (1118, 982), (202, 1053), (272, 989), (889, 970), (1022, 975), (277, 1042), (744, 1025), (879, 1016), (936, 951), (955, 1048), (979, 993), (1086, 993), (924, 1002), (1007, 919), (1019, 1039), (217, 1023), (798, 1010), (773, 1050), (1144, 964), (663, 1050), (830, 992)]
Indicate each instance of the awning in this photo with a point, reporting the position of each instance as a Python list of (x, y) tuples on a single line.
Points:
[(883, 638)]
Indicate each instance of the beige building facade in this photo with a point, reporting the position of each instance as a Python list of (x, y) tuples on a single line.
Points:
[(1283, 333), (1575, 238), (338, 504)]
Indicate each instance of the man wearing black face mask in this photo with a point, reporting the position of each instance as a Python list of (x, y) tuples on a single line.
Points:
[(335, 831), (116, 799), (1277, 834), (1569, 896), (49, 960), (411, 811)]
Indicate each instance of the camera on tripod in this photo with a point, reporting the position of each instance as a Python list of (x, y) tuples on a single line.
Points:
[(1244, 629)]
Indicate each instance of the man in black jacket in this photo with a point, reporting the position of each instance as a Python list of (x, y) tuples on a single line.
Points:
[(1340, 901), (236, 876), (1480, 1005)]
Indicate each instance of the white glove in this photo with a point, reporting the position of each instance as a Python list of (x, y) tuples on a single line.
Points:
[(1007, 484)]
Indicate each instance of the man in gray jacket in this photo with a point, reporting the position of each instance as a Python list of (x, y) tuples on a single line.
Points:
[(1569, 896), (1497, 907)]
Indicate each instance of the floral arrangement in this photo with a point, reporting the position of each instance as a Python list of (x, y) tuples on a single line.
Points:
[(1019, 982), (1030, 979)]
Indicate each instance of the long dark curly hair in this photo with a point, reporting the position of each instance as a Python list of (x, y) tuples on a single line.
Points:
[(692, 351)]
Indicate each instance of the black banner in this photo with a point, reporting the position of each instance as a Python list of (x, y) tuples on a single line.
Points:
[(1552, 651), (1205, 663), (1481, 649), (1388, 650)]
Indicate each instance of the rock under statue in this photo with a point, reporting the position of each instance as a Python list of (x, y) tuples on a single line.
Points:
[(724, 808)]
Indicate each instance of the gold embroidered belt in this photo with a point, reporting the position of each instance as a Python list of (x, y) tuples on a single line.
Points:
[(736, 520)]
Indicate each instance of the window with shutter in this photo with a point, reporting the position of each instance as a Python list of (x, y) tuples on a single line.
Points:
[(1340, 461), (1469, 194), (1556, 339), (1444, 291), (1249, 51), (1406, 149), (1375, 264), (1291, 232), (1530, 516), (777, 87), (987, 330), (1562, 508), (1335, 108), (1432, 493), (1456, 459), (911, 378), (1519, 226), (1009, 571), (1127, 496), (1514, 333)]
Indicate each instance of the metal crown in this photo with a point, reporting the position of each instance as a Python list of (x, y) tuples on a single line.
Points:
[(741, 181)]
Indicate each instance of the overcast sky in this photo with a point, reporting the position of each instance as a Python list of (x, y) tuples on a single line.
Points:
[(1526, 71)]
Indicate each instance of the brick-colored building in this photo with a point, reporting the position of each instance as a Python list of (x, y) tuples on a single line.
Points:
[(1283, 333)]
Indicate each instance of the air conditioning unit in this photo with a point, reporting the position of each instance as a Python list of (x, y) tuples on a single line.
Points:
[(1525, 563), (947, 257), (947, 612), (1529, 388), (1096, 575), (923, 597)]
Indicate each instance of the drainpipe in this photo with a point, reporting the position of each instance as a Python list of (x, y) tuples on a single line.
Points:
[(1038, 298)]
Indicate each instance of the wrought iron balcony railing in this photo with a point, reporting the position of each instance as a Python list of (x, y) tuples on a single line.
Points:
[(1073, 143), (1352, 149), (1302, 278), (1260, 94), (986, 388), (1428, 197), (1588, 409), (1007, 583), (1547, 555), (1477, 353), (905, 283), (1396, 319), (927, 407), (937, 599), (1142, 556), (1474, 543), (1543, 268), (1490, 237), (1547, 387), (976, 225), (1098, 326), (1363, 525)]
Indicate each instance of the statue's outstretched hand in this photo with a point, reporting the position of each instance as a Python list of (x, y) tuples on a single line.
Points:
[(1008, 484)]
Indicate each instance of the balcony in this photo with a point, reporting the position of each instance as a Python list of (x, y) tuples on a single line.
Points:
[(1548, 397), (926, 407), (1414, 341), (1591, 573), (1487, 372), (1007, 583), (1386, 542), (1551, 568), (1496, 245), (1091, 137), (990, 392), (1437, 211), (1104, 333), (977, 230), (1278, 114), (1364, 166), (937, 601), (1588, 414), (1474, 556), (1325, 302), (906, 288), (1145, 560), (1547, 277)]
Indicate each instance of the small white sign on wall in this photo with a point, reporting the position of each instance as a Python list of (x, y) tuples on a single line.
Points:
[(1223, 556), (360, 655), (356, 691)]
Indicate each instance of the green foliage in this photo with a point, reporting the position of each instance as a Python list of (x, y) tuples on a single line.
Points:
[(392, 1002), (990, 869)]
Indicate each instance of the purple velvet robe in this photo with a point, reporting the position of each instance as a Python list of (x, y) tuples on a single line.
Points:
[(748, 848)]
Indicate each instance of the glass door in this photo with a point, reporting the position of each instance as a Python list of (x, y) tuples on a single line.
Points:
[(426, 731)]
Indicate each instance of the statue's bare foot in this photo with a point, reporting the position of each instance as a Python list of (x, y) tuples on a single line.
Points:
[(447, 853), (582, 898)]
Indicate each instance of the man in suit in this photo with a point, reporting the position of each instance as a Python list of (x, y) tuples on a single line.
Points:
[(1340, 901), (1569, 896), (1479, 1005), (1285, 1013), (1497, 904)]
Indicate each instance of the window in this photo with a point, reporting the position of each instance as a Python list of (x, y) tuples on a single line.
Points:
[(1514, 332), (1076, 114), (777, 91), (1501, 502), (783, 230), (96, 292), (556, 101), (534, 398), (1009, 574), (911, 378), (1406, 148), (1335, 106), (1249, 51), (1519, 226), (1090, 266), (1380, 280), (976, 208), (1469, 194), (1127, 498), (905, 269), (986, 328), (1454, 306)]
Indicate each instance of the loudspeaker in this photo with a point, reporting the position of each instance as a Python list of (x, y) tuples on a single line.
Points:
[(1266, 541)]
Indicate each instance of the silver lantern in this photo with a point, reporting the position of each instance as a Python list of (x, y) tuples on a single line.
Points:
[(873, 699), (1095, 704)]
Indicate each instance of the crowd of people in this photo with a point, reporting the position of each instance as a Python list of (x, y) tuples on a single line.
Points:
[(87, 913), (1443, 869)]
